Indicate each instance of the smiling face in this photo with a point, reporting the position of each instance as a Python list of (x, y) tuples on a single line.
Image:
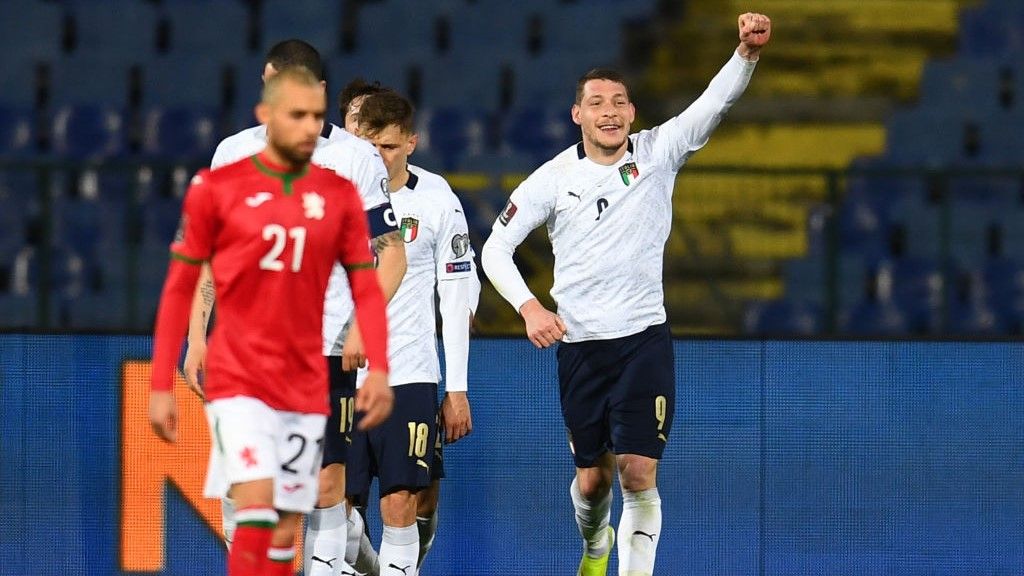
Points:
[(604, 114)]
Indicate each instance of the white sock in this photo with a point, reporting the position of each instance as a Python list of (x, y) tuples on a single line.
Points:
[(592, 518), (426, 527), (324, 551), (359, 550), (399, 549), (639, 531), (227, 514)]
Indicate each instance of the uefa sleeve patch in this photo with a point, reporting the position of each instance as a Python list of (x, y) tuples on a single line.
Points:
[(507, 214), (456, 267)]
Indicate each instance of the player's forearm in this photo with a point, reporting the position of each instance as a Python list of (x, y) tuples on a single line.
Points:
[(457, 302), (496, 258), (172, 322), (391, 262), (202, 306), (695, 125), (371, 316)]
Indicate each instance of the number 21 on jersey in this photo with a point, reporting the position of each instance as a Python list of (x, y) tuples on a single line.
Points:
[(279, 236)]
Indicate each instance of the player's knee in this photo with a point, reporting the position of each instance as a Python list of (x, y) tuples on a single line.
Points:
[(398, 508), (332, 486), (594, 483), (637, 473), (426, 500)]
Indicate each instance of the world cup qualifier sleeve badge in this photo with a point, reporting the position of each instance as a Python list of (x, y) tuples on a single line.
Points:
[(410, 228)]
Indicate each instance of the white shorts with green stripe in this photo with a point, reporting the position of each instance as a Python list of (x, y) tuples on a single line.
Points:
[(252, 441)]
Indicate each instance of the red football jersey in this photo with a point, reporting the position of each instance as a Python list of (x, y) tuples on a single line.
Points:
[(272, 238)]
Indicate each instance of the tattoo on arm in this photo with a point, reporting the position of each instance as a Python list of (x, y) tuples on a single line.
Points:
[(207, 290), (384, 240)]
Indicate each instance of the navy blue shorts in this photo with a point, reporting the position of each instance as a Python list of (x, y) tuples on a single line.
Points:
[(399, 452), (618, 394), (339, 422)]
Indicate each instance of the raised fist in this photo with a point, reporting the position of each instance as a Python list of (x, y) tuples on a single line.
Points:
[(755, 30)]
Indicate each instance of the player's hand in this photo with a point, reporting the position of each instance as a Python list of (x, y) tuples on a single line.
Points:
[(374, 399), (195, 366), (353, 355), (755, 30), (455, 416), (163, 415), (543, 327)]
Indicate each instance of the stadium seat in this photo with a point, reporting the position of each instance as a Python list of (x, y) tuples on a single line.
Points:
[(316, 22), (217, 29), (17, 133), (451, 133), (410, 27), (541, 132), (180, 134), (20, 78), (30, 32), (783, 317), (471, 80), (88, 132), (89, 80), (115, 30), (971, 312), (182, 80), (18, 311)]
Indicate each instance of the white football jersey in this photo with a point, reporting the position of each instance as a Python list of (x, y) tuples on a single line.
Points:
[(351, 158), (433, 226), (608, 224)]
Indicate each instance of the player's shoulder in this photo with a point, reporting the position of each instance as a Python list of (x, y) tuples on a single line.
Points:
[(430, 182), (348, 144), (254, 134)]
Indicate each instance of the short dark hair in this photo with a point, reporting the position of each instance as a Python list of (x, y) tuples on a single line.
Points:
[(383, 109), (356, 89), (599, 74), (295, 52)]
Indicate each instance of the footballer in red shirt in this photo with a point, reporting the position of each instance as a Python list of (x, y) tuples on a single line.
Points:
[(272, 227)]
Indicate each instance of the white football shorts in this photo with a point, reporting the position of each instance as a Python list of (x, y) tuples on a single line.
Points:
[(252, 441)]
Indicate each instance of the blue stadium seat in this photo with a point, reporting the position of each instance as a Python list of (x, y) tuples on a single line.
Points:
[(471, 80), (30, 32), (805, 280), (97, 310), (17, 133), (992, 29), (180, 134), (316, 22), (89, 80), (410, 28), (877, 313), (971, 312), (88, 132), (498, 163), (918, 288), (160, 218), (19, 79), (115, 30), (17, 311), (961, 85), (184, 81), (783, 317), (451, 133), (94, 226), (540, 132), (214, 28)]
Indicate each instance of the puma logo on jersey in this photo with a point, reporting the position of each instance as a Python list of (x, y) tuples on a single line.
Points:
[(399, 568), (258, 198), (574, 195), (313, 204)]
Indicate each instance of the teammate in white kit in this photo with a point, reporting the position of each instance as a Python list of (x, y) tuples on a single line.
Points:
[(404, 453), (360, 163), (607, 204)]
